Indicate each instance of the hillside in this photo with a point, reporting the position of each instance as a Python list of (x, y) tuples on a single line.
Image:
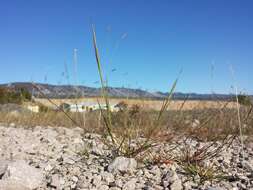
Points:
[(70, 91)]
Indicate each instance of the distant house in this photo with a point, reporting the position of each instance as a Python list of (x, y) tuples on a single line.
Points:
[(72, 107), (86, 106)]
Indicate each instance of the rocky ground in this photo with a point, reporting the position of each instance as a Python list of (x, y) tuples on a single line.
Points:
[(62, 158)]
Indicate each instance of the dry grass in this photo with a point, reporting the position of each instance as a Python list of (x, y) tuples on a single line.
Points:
[(212, 122), (147, 104)]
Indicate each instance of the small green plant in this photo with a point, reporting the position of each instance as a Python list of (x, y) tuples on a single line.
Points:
[(193, 159), (200, 173), (84, 151)]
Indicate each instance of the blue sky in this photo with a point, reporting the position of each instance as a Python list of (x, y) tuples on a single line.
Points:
[(146, 41)]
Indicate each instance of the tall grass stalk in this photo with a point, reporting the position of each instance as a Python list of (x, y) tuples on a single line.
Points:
[(107, 116), (238, 111)]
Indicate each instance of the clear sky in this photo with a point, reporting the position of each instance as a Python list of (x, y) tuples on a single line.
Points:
[(143, 43)]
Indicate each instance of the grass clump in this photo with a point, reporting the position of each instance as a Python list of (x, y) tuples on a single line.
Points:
[(201, 173), (127, 142), (198, 160)]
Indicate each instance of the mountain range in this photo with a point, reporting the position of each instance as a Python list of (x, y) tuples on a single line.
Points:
[(70, 91)]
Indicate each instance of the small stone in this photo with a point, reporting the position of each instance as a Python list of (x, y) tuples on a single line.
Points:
[(155, 170), (195, 123), (108, 177), (139, 173), (165, 184), (75, 179), (103, 187), (119, 183), (139, 184), (172, 180), (73, 186), (48, 168), (176, 185), (68, 161), (76, 171), (248, 165), (215, 188), (55, 182), (158, 187), (115, 188), (97, 150), (122, 164), (62, 181), (129, 185), (77, 141), (187, 185), (96, 180)]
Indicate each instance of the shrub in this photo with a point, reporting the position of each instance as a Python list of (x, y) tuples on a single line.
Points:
[(43, 108), (14, 96), (244, 100), (122, 106), (26, 95)]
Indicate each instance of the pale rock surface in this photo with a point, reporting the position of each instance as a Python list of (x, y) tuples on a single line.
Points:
[(122, 164), (19, 172)]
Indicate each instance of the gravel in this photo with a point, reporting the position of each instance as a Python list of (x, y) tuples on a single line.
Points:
[(63, 158)]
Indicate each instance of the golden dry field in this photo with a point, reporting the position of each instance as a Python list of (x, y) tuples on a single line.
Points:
[(148, 104)]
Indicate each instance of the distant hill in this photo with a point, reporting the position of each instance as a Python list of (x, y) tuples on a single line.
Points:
[(70, 91)]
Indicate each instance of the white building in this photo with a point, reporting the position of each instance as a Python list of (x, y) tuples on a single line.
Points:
[(87, 106)]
